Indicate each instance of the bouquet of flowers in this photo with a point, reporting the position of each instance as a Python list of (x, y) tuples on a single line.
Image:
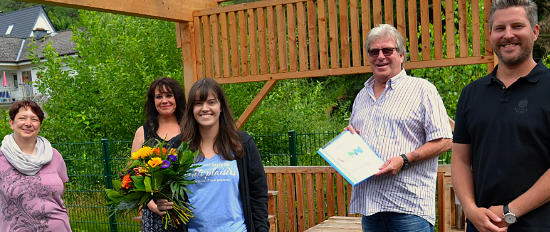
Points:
[(156, 173)]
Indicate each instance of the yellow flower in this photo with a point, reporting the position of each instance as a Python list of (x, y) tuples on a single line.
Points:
[(142, 153), (154, 162)]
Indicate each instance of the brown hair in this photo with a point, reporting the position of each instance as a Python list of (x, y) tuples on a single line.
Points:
[(35, 108), (228, 139)]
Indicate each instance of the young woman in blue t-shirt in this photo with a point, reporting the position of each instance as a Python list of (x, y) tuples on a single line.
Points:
[(231, 189)]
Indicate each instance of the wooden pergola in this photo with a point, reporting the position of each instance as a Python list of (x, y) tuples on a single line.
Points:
[(273, 40)]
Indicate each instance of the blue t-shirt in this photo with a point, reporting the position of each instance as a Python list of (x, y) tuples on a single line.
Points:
[(215, 197)]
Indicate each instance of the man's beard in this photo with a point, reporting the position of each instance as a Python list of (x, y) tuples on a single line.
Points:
[(524, 54)]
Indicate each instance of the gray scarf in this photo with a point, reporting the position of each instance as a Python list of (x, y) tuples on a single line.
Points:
[(25, 163)]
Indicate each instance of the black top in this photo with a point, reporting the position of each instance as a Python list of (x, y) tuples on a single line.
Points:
[(509, 133), (252, 186), (152, 137)]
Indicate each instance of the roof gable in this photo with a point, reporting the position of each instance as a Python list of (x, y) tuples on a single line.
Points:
[(23, 22)]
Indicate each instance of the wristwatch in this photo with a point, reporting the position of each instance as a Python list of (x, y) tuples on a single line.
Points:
[(406, 163), (509, 217)]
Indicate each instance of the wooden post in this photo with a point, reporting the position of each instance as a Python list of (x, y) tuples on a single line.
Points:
[(188, 55)]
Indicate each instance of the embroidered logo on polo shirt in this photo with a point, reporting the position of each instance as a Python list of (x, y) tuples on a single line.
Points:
[(522, 106)]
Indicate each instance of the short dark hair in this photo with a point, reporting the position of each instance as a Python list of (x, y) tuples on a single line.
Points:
[(35, 108), (529, 6), (163, 84), (227, 141)]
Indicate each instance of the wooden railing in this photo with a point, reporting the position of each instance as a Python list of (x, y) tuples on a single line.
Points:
[(282, 39), (309, 195)]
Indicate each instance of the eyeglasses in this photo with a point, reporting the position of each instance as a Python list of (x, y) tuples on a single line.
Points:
[(386, 51)]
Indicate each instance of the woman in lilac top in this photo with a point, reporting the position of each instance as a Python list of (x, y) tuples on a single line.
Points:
[(32, 176)]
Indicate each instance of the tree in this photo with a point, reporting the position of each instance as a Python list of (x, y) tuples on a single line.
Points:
[(103, 95)]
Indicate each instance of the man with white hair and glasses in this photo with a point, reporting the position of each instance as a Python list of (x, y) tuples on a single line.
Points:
[(501, 150), (404, 120)]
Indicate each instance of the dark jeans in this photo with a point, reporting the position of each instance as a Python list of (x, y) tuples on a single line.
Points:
[(398, 222)]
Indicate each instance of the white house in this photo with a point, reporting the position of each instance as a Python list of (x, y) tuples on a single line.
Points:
[(18, 30)]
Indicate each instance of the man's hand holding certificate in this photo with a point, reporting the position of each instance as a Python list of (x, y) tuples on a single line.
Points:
[(351, 157)]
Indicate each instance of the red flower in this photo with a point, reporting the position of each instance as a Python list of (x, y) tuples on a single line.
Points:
[(156, 150), (126, 181)]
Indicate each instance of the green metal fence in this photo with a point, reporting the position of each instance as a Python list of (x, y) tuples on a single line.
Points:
[(92, 165)]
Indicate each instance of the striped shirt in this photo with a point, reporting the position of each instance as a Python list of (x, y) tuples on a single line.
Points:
[(407, 114)]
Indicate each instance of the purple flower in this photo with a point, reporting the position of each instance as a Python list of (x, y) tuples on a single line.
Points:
[(165, 164), (172, 158)]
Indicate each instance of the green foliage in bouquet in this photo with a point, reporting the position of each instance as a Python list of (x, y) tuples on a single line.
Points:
[(156, 173)]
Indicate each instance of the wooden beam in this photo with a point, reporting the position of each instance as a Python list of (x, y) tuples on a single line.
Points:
[(171, 10), (255, 103), (187, 39), (355, 70)]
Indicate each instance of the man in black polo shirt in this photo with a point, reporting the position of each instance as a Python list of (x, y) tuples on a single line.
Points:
[(501, 150)]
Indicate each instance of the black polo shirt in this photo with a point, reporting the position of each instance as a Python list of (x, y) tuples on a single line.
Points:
[(509, 133)]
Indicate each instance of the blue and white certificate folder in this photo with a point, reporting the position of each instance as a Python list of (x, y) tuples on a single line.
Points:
[(352, 157)]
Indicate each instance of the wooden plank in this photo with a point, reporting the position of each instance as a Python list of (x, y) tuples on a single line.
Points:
[(376, 12), (243, 42), (255, 103), (281, 32), (340, 201), (344, 34), (292, 48), (357, 70), (331, 202), (298, 169), (355, 33), (225, 45), (216, 53), (333, 34), (450, 28), (171, 10), (476, 37), (447, 183), (400, 11), (425, 25), (310, 200), (291, 202), (462, 28), (319, 186), (262, 41), (413, 32), (300, 202), (272, 40), (312, 33), (437, 30), (270, 181), (253, 38), (178, 34), (365, 23), (281, 203), (302, 36), (244, 6), (199, 56), (323, 41), (233, 40), (188, 55), (207, 47), (388, 12)]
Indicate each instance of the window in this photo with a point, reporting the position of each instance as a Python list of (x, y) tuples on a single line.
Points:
[(15, 85), (10, 27), (26, 77)]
